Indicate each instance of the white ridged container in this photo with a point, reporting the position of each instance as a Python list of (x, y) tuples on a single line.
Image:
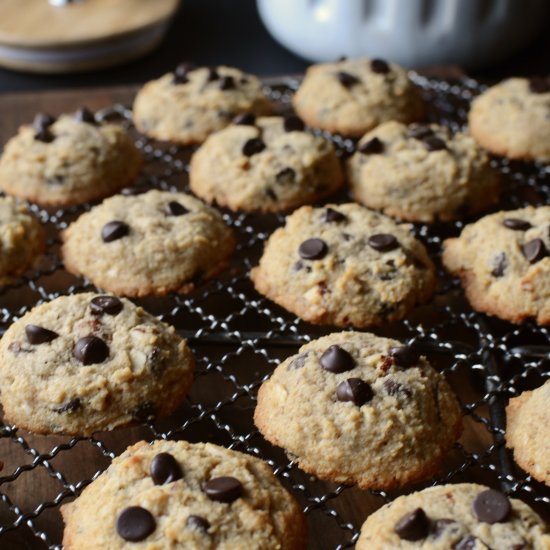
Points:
[(471, 33)]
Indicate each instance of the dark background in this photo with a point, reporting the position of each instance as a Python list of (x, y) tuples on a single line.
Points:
[(213, 32)]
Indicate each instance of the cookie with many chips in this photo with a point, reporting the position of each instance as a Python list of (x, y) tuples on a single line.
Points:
[(148, 244), (266, 164), (174, 494), (351, 407), (422, 173), (191, 103), (504, 264), (353, 96), (90, 362), (344, 265), (71, 160), (465, 516)]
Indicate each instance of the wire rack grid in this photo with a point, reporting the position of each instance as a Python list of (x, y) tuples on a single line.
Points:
[(238, 337)]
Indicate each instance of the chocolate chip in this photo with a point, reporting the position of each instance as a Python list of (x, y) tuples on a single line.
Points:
[(405, 356), (394, 388), (534, 250), (413, 526), (105, 305), (419, 131), (333, 216), (313, 249), (198, 522), (135, 523), (90, 350), (347, 80), (354, 390), (223, 489), (372, 147), (42, 121), (298, 362), (379, 66), (440, 526), (85, 115), (44, 135), (516, 224), (433, 143), (539, 85), (165, 469), (466, 543), (174, 208), (212, 74), (285, 176), (39, 335), (114, 230), (383, 242), (181, 71), (70, 406), (300, 265), (253, 146), (227, 83), (336, 360), (293, 123), (500, 263), (144, 412), (245, 119), (491, 506)]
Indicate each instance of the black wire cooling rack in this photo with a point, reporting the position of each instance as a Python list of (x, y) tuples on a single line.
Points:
[(238, 337)]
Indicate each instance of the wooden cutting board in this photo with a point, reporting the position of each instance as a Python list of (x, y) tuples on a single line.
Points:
[(37, 36)]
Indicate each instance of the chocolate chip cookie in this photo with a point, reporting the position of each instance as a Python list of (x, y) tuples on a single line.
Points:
[(22, 239), (71, 160), (528, 431), (192, 102), (513, 119), (422, 173), (344, 265), (504, 264), (465, 516), (355, 408), (148, 244), (174, 494), (353, 96), (90, 362), (267, 164)]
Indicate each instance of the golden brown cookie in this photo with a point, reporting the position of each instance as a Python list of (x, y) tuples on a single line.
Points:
[(344, 265), (528, 431), (174, 494), (513, 119), (267, 164), (22, 239), (465, 516), (504, 264), (71, 160), (193, 102), (89, 362), (422, 173), (352, 96), (148, 244), (355, 408)]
